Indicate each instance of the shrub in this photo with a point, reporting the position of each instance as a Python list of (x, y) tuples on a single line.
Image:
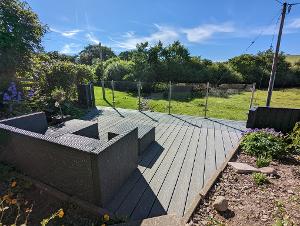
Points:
[(67, 75), (260, 178), (294, 140), (265, 142), (263, 161), (62, 74)]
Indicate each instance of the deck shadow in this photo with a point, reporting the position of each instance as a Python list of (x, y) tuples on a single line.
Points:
[(135, 200), (92, 114), (153, 119), (224, 124), (192, 124), (150, 156)]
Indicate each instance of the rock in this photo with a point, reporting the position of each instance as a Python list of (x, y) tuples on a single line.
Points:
[(268, 170), (264, 217), (220, 204), (243, 167), (290, 192)]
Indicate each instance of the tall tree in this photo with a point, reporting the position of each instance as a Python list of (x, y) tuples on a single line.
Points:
[(20, 36), (94, 52)]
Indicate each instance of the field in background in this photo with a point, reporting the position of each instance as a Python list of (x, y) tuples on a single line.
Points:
[(234, 107), (292, 58)]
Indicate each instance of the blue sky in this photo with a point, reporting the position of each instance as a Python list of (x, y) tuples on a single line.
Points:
[(213, 29)]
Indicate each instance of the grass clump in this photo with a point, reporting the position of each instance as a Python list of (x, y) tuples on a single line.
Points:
[(263, 161), (260, 178)]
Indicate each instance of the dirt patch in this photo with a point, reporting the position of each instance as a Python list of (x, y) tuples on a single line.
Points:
[(250, 204)]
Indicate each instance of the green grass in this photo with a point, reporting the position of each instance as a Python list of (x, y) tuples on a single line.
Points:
[(234, 107), (293, 58)]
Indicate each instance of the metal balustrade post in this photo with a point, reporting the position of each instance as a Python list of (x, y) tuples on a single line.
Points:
[(252, 95), (113, 93), (103, 90), (206, 100), (170, 96), (139, 85)]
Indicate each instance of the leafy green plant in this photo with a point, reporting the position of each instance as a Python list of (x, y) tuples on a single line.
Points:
[(214, 222), (264, 142), (263, 161), (294, 140), (260, 178)]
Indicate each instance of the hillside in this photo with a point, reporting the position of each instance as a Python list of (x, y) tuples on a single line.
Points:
[(292, 58)]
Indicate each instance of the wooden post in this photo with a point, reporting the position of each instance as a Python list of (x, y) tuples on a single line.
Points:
[(206, 100), (252, 95), (113, 92), (275, 59), (103, 90), (170, 96), (139, 85)]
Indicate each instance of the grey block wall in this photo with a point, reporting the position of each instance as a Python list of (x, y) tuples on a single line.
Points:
[(77, 165), (65, 168), (116, 163), (35, 122)]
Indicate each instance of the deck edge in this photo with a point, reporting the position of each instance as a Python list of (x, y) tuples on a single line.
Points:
[(204, 191)]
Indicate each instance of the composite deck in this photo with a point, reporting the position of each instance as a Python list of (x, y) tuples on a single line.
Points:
[(187, 151)]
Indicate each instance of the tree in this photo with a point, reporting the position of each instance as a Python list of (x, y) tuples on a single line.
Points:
[(20, 36), (55, 55), (119, 70), (94, 52)]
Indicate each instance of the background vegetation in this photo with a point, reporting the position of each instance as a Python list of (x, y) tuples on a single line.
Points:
[(38, 73)]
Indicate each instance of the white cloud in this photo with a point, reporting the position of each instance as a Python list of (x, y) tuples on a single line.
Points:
[(68, 34), (92, 38), (162, 33), (295, 23), (206, 31), (71, 48)]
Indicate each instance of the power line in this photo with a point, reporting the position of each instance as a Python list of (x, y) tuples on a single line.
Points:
[(279, 2), (275, 28), (263, 31)]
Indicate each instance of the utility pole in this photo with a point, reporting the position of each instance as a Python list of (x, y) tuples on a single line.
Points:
[(275, 58)]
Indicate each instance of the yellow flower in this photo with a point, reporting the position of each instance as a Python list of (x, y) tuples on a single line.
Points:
[(61, 213), (13, 202), (13, 184), (106, 217)]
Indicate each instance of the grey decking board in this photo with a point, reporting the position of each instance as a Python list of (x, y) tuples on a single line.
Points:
[(190, 161), (219, 147), (144, 161), (138, 189), (158, 180), (181, 189), (132, 180), (210, 161), (197, 178)]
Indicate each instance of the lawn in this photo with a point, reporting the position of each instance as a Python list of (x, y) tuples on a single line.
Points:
[(234, 107)]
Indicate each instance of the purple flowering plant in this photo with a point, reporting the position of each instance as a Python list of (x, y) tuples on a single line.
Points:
[(270, 131), (13, 96)]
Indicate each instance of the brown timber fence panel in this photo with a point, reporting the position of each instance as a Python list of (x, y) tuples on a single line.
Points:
[(281, 119)]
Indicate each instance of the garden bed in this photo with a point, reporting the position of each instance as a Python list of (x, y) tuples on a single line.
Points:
[(37, 203), (273, 203)]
